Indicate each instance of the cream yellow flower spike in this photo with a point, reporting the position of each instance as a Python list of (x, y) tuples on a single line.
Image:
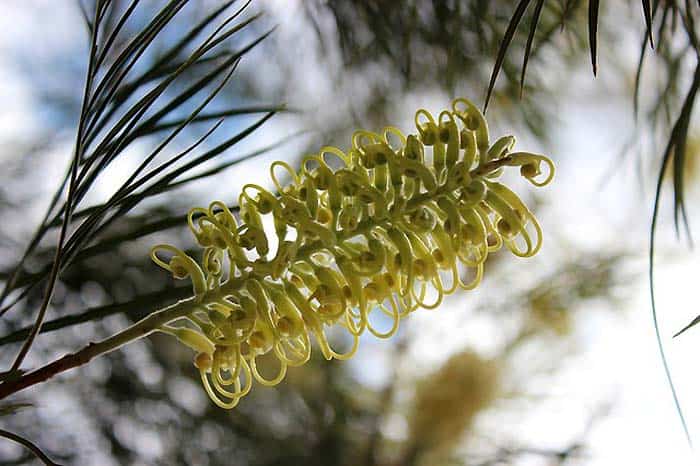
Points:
[(382, 228)]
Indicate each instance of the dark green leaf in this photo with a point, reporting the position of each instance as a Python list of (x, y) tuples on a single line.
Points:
[(677, 134), (646, 6), (505, 42), (530, 38), (593, 32)]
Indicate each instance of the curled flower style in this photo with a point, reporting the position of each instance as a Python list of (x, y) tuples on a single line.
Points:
[(360, 238)]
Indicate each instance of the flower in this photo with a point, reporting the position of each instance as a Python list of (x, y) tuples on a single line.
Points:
[(448, 401), (378, 229)]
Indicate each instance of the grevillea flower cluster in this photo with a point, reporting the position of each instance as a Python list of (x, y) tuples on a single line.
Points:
[(379, 229)]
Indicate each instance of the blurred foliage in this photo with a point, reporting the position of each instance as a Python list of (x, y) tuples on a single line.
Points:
[(452, 44), (463, 387)]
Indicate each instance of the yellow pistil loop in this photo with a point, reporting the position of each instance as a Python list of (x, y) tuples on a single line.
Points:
[(223, 215), (452, 222), (417, 170), (205, 228), (286, 252), (479, 273), (349, 217), (524, 216), (425, 269), (449, 134), (414, 149), (427, 128), (369, 195), (309, 193), (281, 373), (509, 223), (473, 193), (361, 138), (288, 169), (227, 360), (391, 132), (394, 312), (181, 266), (467, 142), (264, 201), (473, 247), (501, 147), (529, 164), (339, 154), (405, 253), (309, 316), (475, 121), (367, 262), (350, 182), (421, 220), (217, 227), (212, 263)]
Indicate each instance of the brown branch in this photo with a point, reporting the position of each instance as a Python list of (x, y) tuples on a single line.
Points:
[(14, 383)]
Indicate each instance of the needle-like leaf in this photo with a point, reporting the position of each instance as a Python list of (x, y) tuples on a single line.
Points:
[(677, 134), (530, 38), (646, 6), (593, 6), (505, 42)]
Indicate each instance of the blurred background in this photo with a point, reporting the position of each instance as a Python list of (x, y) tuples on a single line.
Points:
[(551, 361)]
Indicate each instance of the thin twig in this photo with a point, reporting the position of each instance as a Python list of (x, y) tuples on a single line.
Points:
[(142, 328), (36, 451), (136, 308)]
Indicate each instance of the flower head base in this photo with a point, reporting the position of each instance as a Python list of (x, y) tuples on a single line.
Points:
[(379, 229)]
